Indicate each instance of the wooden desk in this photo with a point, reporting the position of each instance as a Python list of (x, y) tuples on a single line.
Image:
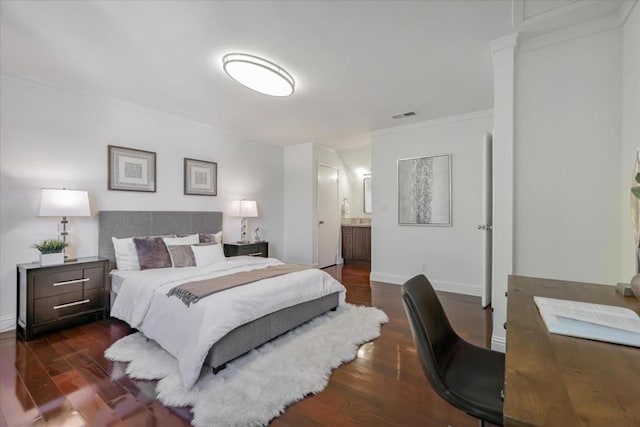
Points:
[(554, 380)]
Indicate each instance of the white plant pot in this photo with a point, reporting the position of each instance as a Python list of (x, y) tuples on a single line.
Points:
[(52, 259)]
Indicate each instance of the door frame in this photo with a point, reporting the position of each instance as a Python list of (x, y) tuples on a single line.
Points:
[(487, 218)]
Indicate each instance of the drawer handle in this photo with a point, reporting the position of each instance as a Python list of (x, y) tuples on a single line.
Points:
[(69, 282), (71, 304), (255, 254)]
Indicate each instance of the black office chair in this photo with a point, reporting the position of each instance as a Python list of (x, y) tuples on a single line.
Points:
[(468, 377)]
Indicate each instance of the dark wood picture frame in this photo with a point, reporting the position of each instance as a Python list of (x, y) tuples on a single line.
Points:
[(142, 159), (209, 172)]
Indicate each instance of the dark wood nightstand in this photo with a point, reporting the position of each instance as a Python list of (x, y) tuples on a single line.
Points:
[(58, 296), (252, 249)]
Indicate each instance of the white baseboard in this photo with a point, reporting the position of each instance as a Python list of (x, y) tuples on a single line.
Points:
[(7, 323), (438, 285), (387, 278), (498, 343)]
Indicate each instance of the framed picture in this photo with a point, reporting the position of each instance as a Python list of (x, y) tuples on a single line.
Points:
[(366, 187), (424, 190), (200, 177), (131, 169)]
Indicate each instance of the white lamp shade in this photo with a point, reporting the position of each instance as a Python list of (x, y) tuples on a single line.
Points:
[(56, 202), (244, 208)]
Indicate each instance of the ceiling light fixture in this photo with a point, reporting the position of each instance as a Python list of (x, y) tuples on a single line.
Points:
[(258, 74)]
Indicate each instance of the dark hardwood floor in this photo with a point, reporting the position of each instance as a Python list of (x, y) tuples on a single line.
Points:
[(63, 378)]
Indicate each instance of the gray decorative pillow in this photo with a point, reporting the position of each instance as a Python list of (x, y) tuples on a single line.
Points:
[(181, 255), (152, 252), (211, 237)]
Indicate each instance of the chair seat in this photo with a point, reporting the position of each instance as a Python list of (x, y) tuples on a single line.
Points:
[(475, 377)]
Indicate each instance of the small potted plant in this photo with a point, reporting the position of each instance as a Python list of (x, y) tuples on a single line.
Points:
[(51, 251)]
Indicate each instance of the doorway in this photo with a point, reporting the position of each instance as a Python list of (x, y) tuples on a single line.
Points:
[(328, 216)]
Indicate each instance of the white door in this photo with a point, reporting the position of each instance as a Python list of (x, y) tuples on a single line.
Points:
[(328, 216), (487, 216)]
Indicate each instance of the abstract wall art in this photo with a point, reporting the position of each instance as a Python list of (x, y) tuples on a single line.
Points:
[(424, 190)]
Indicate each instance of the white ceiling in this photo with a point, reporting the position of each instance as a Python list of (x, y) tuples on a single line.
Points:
[(355, 63)]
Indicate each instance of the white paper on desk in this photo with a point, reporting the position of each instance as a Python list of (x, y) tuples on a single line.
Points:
[(592, 321)]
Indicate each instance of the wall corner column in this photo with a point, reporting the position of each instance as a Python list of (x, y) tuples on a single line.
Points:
[(503, 53)]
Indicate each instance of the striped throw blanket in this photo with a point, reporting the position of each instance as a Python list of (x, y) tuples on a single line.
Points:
[(192, 292)]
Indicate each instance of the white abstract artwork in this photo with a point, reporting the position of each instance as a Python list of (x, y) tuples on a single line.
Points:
[(424, 190)]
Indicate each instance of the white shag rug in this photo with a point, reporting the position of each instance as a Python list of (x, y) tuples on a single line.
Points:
[(258, 386)]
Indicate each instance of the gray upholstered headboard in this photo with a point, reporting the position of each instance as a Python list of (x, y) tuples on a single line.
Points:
[(151, 223)]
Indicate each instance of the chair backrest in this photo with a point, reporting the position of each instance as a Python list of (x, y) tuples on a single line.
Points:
[(433, 335)]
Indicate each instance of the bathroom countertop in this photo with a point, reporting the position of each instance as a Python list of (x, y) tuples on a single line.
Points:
[(356, 222)]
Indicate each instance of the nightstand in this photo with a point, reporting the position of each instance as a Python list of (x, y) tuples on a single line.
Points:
[(252, 249), (57, 296)]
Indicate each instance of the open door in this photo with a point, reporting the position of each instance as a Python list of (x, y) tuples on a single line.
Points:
[(487, 216), (328, 216)]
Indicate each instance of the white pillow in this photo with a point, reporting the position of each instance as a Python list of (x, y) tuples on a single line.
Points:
[(208, 254), (126, 254), (191, 239)]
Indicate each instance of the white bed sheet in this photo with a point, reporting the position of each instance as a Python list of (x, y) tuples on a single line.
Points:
[(188, 333)]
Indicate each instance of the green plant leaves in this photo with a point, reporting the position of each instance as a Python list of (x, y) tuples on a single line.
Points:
[(52, 246)]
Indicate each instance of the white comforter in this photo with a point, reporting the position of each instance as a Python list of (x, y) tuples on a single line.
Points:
[(188, 333)]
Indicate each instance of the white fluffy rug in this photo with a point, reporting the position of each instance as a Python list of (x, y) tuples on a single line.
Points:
[(258, 386)]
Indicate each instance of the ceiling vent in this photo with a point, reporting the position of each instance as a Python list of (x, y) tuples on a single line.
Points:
[(404, 115)]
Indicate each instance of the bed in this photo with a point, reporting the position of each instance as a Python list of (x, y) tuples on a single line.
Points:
[(238, 340)]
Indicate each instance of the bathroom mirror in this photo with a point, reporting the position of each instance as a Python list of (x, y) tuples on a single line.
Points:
[(366, 185)]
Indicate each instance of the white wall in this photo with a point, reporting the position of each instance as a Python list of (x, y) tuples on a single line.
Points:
[(630, 133), (452, 255), (298, 204), (358, 162), (567, 159), (55, 138)]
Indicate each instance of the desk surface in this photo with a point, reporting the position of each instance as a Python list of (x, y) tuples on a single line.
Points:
[(554, 380)]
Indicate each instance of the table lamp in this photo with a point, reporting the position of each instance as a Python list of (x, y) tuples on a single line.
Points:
[(244, 209), (64, 203)]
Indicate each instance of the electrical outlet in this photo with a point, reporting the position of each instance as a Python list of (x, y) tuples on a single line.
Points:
[(424, 268)]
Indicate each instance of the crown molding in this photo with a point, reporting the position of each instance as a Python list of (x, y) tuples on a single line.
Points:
[(566, 34), (435, 122), (505, 42), (625, 10)]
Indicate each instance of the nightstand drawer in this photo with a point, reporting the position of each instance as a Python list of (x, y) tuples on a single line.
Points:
[(95, 276), (251, 249), (52, 308), (48, 284)]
